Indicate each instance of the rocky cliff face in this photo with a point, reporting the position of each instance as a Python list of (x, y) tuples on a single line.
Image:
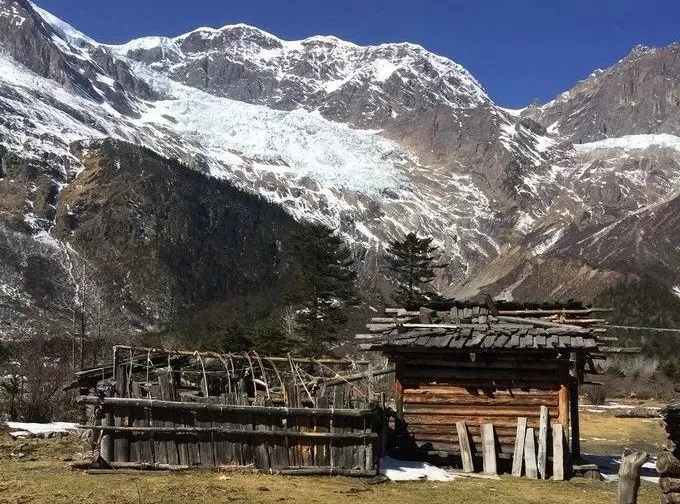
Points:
[(559, 201), (638, 95)]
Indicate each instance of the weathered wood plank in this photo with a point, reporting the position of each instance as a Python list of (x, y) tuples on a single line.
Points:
[(531, 470), (518, 454), (489, 449), (167, 393), (542, 460), (465, 451), (558, 452)]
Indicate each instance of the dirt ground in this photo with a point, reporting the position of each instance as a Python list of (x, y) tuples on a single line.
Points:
[(42, 475)]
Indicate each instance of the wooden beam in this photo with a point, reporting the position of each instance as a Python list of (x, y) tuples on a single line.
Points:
[(398, 387), (575, 449), (220, 430), (557, 311), (195, 406), (235, 356)]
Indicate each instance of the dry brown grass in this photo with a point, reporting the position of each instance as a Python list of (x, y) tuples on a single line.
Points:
[(604, 433), (47, 480)]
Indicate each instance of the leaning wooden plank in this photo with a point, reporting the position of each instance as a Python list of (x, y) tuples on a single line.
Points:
[(530, 454), (465, 451), (489, 449), (518, 454), (558, 452), (542, 461)]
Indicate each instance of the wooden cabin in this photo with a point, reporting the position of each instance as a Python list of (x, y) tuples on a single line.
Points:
[(479, 368)]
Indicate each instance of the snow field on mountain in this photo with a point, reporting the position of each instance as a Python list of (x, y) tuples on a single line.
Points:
[(632, 142), (307, 144)]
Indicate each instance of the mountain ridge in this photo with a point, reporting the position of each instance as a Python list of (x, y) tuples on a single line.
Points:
[(372, 141)]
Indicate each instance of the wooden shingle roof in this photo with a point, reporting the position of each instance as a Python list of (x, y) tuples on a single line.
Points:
[(487, 337)]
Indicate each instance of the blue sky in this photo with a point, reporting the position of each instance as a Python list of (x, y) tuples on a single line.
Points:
[(519, 50)]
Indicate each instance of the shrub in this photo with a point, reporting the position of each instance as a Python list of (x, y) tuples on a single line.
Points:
[(596, 394)]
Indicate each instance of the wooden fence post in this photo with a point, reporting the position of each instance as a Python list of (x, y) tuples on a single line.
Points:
[(629, 477)]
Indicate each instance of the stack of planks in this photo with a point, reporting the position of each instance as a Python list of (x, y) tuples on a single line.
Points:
[(534, 449), (532, 454), (668, 462)]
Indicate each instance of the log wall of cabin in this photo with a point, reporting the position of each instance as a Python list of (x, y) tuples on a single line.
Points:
[(438, 390)]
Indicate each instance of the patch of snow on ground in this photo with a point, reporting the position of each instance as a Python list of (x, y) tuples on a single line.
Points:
[(22, 429), (404, 470), (632, 142)]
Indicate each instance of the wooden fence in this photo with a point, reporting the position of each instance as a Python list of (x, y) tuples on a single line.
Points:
[(153, 416)]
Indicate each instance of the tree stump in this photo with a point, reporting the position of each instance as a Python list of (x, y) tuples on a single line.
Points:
[(629, 477)]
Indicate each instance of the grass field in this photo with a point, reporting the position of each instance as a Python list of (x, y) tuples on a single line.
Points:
[(603, 433), (43, 476)]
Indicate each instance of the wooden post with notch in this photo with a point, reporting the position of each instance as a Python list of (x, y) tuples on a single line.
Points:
[(629, 477)]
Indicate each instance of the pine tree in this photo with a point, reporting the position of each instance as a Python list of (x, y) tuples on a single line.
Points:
[(324, 287), (411, 263)]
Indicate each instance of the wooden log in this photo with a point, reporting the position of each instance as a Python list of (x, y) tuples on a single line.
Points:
[(542, 460), (260, 421), (541, 313), (327, 471), (669, 484), (489, 410), (240, 408), (237, 356), (518, 453), (629, 477), (465, 451), (445, 401), (531, 469), (508, 422), (558, 452), (249, 433), (667, 464), (489, 449)]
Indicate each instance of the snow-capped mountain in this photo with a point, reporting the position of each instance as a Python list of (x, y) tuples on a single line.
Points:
[(374, 141)]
